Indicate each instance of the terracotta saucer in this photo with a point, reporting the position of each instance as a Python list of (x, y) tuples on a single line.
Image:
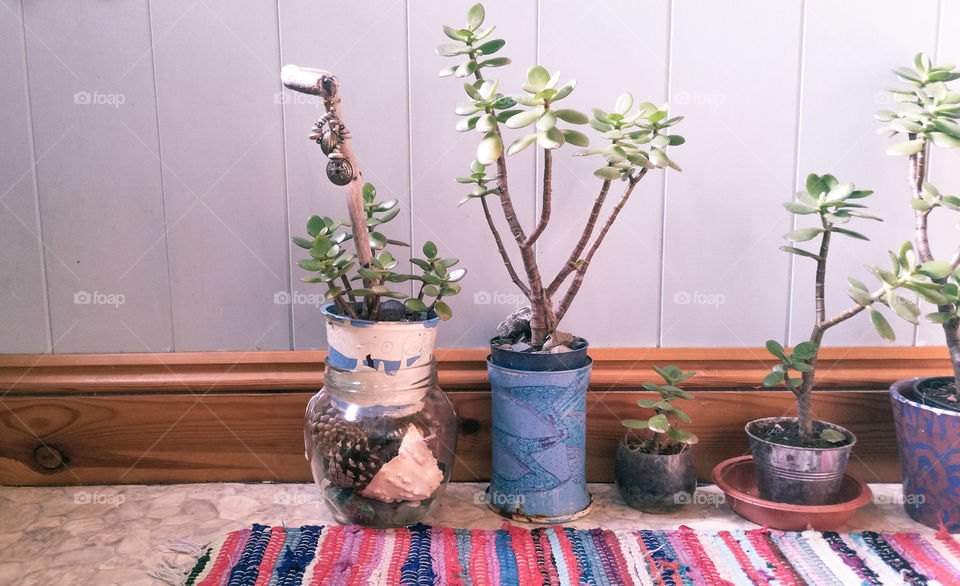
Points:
[(735, 478)]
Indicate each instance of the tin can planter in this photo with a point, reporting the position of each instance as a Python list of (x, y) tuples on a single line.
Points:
[(539, 444), (796, 475), (380, 435), (928, 439), (654, 483)]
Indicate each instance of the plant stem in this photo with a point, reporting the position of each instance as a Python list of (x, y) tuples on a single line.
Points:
[(582, 269), (547, 191), (542, 319), (571, 264), (358, 218), (918, 175), (348, 289), (503, 251)]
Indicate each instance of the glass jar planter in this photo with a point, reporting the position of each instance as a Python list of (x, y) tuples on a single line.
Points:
[(380, 435)]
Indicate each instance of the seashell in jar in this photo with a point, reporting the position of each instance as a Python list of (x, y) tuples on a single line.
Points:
[(412, 475)]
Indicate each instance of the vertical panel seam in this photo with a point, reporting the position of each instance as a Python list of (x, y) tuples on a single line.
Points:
[(44, 280), (409, 96), (291, 333), (663, 185), (163, 191), (537, 157), (791, 261)]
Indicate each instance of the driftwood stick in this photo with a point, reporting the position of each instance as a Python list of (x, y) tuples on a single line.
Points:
[(319, 82)]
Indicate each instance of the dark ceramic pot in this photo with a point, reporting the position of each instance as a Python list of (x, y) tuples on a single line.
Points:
[(798, 476), (929, 444), (654, 483), (541, 362)]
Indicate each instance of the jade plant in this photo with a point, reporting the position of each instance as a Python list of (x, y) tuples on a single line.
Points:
[(928, 113), (834, 204), (667, 438), (636, 138), (350, 256)]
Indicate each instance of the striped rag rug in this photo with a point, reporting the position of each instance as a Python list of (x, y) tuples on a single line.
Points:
[(421, 554)]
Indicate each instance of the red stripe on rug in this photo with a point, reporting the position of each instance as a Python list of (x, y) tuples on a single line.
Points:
[(758, 537), (265, 571), (742, 558), (621, 562), (704, 564), (225, 559), (367, 544), (401, 550), (327, 555), (923, 560)]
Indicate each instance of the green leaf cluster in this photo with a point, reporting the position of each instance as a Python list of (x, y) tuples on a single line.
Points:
[(928, 110), (831, 200), (798, 360), (638, 138), (934, 281), (436, 282), (330, 263), (480, 180), (471, 42), (666, 413), (540, 94)]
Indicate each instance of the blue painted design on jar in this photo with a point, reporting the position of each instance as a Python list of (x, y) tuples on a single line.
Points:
[(539, 442), (929, 446)]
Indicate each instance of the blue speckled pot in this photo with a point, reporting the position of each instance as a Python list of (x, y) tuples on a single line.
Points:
[(539, 444), (929, 442)]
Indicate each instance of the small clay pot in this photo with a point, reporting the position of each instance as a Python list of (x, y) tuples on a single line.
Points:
[(654, 483)]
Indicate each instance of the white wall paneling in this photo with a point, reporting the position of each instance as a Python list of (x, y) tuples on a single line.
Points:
[(153, 170)]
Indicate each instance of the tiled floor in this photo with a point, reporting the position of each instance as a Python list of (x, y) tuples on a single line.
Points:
[(113, 535)]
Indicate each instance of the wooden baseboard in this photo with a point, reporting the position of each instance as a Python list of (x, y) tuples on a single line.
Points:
[(230, 416)]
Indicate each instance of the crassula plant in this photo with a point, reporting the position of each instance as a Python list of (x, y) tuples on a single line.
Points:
[(834, 204), (667, 438), (635, 136), (350, 257), (928, 113)]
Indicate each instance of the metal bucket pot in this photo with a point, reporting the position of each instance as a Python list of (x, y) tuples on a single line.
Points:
[(798, 476)]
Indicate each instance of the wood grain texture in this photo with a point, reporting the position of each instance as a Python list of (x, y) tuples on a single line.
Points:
[(866, 368), (258, 436)]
